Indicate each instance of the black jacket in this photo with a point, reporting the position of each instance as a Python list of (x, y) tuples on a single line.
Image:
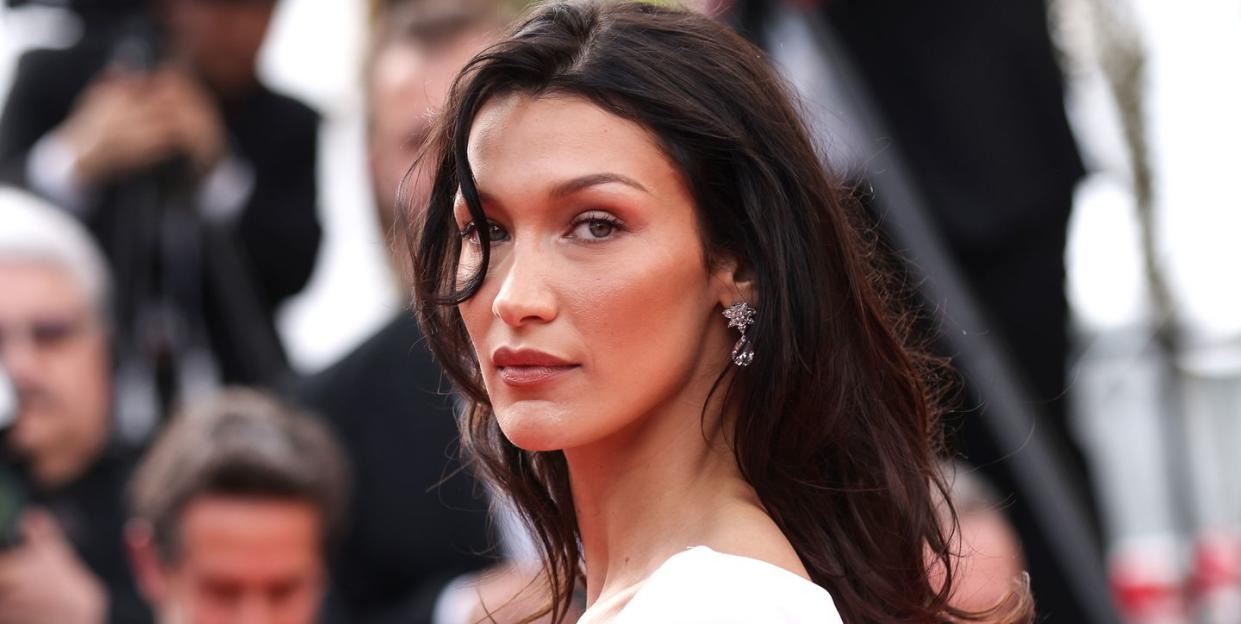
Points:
[(275, 238), (417, 519), (91, 512)]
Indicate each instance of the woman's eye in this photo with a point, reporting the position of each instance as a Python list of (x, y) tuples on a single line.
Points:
[(600, 229), (594, 228), (496, 231)]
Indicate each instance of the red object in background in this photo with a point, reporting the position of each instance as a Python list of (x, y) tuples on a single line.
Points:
[(1216, 576), (1148, 582)]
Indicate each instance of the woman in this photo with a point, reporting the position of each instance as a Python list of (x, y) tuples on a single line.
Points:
[(676, 362)]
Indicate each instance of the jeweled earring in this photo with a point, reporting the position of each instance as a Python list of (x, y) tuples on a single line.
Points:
[(741, 316)]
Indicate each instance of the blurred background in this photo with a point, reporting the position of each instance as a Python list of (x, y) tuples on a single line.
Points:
[(1060, 176)]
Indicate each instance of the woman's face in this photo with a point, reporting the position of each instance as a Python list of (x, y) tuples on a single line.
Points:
[(599, 311)]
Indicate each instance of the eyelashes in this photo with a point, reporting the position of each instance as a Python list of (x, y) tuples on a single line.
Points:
[(497, 232), (591, 226), (595, 225)]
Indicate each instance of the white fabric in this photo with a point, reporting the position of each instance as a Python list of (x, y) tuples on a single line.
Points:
[(226, 189), (455, 603), (49, 169), (221, 196), (702, 586)]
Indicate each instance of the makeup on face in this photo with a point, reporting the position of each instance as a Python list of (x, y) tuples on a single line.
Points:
[(522, 367), (598, 302)]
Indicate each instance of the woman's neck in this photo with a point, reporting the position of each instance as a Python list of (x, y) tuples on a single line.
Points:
[(649, 492)]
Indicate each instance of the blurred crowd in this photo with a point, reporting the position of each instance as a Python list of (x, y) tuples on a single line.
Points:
[(162, 203), (163, 461)]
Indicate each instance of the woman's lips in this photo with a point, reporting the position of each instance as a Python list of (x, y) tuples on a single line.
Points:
[(527, 367), (531, 375)]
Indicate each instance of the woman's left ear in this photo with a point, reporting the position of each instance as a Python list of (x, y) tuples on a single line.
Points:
[(734, 282)]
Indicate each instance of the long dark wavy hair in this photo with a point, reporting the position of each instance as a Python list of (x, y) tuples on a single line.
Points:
[(835, 425)]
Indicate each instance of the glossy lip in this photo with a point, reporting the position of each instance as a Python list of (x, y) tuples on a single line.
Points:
[(528, 367)]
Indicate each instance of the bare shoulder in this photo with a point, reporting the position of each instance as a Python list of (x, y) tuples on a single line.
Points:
[(745, 530)]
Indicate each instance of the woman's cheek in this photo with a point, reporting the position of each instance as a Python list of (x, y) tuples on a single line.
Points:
[(640, 320), (476, 315)]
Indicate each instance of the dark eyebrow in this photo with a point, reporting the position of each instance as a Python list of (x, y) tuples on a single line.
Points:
[(569, 187), (594, 179)]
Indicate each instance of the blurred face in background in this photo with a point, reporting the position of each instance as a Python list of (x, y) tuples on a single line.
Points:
[(240, 561), (54, 348), (408, 84), (221, 39)]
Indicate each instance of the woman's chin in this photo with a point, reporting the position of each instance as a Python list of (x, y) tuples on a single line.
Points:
[(534, 444), (535, 425)]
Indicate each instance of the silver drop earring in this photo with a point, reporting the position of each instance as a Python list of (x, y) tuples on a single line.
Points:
[(741, 316)]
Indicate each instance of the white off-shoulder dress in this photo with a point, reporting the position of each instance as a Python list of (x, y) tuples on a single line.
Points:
[(703, 586)]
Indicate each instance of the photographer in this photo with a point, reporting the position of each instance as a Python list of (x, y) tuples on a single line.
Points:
[(198, 181), (63, 474)]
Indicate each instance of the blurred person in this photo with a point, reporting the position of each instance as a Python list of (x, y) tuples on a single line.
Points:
[(974, 100), (991, 560), (198, 181), (63, 472), (971, 100), (419, 47), (420, 536), (675, 354), (233, 511)]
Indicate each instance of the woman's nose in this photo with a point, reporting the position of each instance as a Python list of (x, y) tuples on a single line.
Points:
[(526, 294)]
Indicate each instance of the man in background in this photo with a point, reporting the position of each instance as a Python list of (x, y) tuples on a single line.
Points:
[(967, 97), (197, 180), (233, 510), (62, 474), (974, 100)]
